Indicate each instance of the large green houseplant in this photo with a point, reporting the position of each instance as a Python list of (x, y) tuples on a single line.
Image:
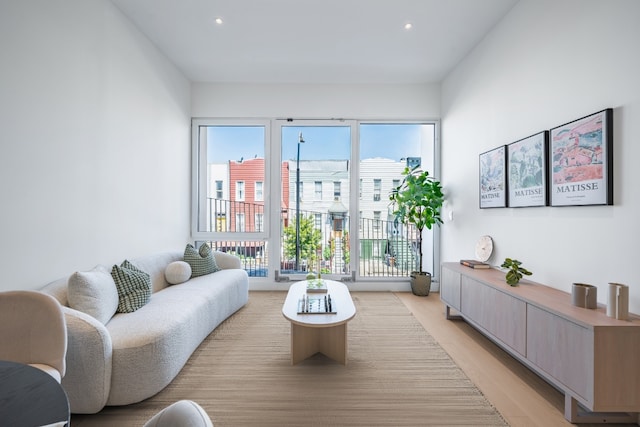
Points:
[(417, 201)]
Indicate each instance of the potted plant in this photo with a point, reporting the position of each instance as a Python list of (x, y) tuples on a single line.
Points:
[(417, 201), (515, 271)]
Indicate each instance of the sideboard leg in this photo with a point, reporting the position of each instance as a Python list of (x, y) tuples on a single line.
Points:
[(570, 408), (450, 316), (573, 415)]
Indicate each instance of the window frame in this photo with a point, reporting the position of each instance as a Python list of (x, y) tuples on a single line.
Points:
[(272, 174), (199, 180)]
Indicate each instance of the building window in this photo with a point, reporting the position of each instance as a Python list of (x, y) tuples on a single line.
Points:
[(377, 187), (413, 162), (336, 189), (259, 191), (396, 183), (259, 222), (240, 191), (318, 190), (240, 222), (219, 193), (376, 220), (318, 221)]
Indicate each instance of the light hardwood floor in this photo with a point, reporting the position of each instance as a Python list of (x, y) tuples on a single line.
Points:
[(522, 397)]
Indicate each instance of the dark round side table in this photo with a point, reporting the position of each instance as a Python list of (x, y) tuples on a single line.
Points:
[(30, 397)]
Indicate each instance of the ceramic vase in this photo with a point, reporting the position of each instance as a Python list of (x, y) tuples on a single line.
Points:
[(618, 301), (584, 295)]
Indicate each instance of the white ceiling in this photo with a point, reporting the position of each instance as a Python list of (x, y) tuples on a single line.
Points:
[(315, 41)]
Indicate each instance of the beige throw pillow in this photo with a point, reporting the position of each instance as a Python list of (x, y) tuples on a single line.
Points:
[(94, 293), (177, 272)]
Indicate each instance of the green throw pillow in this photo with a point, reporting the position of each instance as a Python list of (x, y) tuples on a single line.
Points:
[(133, 285), (201, 261)]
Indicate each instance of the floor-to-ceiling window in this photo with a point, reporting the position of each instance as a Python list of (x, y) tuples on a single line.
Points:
[(316, 208), (228, 189), (386, 248), (293, 196)]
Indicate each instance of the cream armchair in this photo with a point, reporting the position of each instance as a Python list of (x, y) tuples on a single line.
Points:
[(184, 413), (33, 331)]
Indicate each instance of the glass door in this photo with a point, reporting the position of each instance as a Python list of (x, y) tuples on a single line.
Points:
[(315, 203), (387, 248)]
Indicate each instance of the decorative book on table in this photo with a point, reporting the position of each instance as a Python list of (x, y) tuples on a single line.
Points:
[(316, 285), (474, 264)]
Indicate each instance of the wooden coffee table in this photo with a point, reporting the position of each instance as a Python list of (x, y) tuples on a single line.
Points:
[(319, 333)]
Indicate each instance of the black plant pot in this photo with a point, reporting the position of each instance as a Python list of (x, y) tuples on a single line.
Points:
[(420, 283)]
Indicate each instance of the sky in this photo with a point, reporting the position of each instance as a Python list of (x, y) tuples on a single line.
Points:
[(394, 141)]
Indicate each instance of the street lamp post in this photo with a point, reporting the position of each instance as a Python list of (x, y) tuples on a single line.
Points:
[(300, 141)]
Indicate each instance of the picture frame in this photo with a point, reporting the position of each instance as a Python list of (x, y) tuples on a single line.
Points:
[(527, 161), (581, 161), (493, 182)]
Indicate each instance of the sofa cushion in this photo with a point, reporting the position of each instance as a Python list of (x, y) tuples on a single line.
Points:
[(201, 261), (133, 285), (94, 293), (177, 272)]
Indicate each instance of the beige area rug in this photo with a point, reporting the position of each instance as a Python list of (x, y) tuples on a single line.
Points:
[(396, 375)]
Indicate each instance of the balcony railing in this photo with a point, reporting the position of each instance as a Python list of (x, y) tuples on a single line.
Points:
[(386, 248)]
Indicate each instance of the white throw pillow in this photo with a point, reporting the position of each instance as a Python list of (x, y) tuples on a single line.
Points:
[(94, 293), (177, 272)]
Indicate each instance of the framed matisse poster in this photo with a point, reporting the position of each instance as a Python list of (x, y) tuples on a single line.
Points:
[(527, 171), (493, 182), (581, 156)]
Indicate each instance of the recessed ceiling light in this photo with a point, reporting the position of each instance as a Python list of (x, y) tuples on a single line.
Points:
[(408, 26), (219, 21)]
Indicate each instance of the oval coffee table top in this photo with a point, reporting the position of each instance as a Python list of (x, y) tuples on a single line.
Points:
[(342, 304)]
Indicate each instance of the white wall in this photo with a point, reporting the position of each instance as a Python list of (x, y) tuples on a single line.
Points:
[(315, 101), (94, 142), (548, 62)]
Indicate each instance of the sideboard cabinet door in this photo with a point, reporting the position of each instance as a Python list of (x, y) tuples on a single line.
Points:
[(508, 324), (450, 288), (562, 349)]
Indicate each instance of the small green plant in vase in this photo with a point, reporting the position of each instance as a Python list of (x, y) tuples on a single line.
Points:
[(515, 272)]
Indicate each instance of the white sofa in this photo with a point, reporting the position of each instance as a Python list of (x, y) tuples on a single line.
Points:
[(135, 355)]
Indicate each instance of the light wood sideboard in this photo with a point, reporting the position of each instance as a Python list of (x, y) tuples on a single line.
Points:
[(593, 359)]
